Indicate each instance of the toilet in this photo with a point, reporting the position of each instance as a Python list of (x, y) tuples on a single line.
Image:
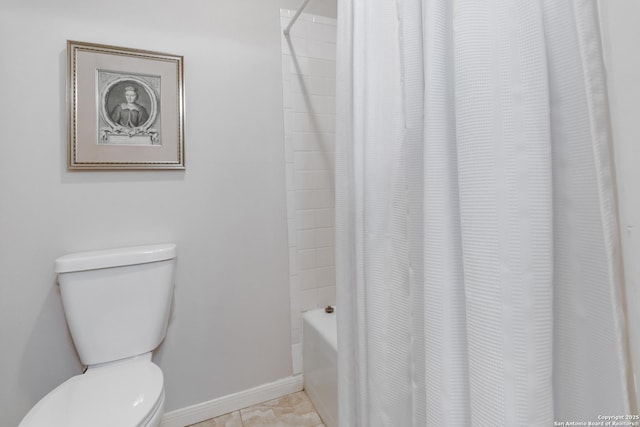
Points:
[(117, 305)]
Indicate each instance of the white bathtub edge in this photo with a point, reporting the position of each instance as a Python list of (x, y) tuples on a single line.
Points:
[(320, 360), (326, 413), (324, 323)]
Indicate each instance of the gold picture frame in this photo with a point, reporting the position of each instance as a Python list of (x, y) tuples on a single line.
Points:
[(125, 108)]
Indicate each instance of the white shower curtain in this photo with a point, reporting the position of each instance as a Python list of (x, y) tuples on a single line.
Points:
[(478, 262)]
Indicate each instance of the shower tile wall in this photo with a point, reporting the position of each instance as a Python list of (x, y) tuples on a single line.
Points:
[(308, 74)]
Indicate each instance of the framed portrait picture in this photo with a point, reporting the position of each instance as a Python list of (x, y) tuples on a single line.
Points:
[(125, 108)]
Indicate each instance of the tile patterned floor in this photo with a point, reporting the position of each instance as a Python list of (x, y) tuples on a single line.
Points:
[(293, 410)]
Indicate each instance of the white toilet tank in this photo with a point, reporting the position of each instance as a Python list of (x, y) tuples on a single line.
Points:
[(117, 301)]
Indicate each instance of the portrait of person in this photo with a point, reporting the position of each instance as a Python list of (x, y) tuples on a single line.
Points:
[(130, 113), (129, 109)]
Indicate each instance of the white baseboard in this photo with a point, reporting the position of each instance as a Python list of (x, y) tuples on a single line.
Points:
[(233, 402)]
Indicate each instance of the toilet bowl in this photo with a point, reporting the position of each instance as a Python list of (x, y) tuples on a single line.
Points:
[(117, 305), (127, 394)]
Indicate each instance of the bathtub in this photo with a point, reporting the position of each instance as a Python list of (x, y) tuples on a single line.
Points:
[(320, 363)]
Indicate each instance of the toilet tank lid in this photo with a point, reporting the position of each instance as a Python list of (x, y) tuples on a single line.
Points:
[(118, 257)]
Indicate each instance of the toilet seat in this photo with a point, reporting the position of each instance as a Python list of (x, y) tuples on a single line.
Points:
[(123, 394)]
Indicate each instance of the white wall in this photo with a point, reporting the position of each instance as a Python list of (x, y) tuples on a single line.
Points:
[(230, 328), (621, 34)]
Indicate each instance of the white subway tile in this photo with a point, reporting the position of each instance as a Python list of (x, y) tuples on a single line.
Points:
[(324, 217), (325, 67), (323, 20), (331, 162), (319, 104), (296, 86), (300, 29), (297, 65), (306, 239), (301, 122), (327, 296), (315, 48), (297, 46), (306, 219), (328, 68), (325, 180), (323, 160), (326, 199), (320, 180), (305, 200), (331, 104), (293, 261), (327, 33), (284, 48), (307, 258), (291, 209), (325, 276), (288, 150), (329, 199), (291, 229), (296, 300), (318, 86), (308, 66), (310, 279), (315, 160), (331, 85), (286, 66), (294, 293), (289, 116), (313, 32), (306, 141), (325, 50), (290, 176), (296, 358), (296, 319), (308, 299), (291, 199), (324, 257), (325, 123), (313, 106), (296, 326), (311, 180), (286, 86), (287, 100), (304, 180), (324, 237), (327, 141), (303, 21), (313, 199), (299, 104)]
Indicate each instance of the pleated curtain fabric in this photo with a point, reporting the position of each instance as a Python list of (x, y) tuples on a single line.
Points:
[(478, 260)]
